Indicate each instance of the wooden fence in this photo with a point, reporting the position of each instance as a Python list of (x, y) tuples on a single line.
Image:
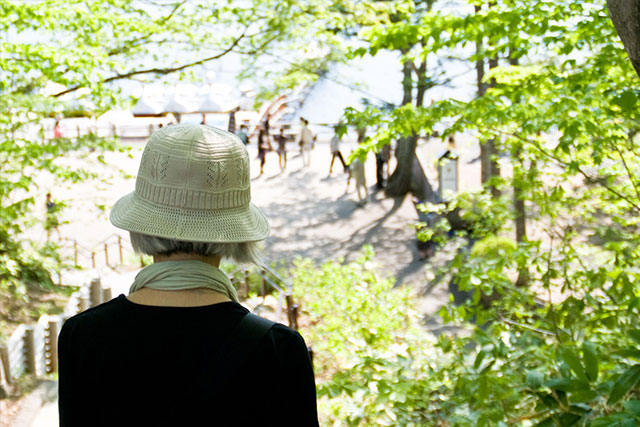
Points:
[(32, 349), (112, 252)]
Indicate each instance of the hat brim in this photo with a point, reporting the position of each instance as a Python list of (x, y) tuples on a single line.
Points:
[(244, 224)]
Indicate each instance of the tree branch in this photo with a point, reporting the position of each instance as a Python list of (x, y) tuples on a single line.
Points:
[(136, 42), (161, 71), (624, 162), (562, 163)]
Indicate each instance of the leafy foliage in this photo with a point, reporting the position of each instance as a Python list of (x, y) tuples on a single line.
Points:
[(372, 360), (562, 109)]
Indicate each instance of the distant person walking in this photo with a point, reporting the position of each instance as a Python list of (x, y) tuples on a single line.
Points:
[(242, 134), (306, 142), (356, 170), (232, 120), (451, 143), (382, 159), (52, 222), (57, 130), (263, 147), (335, 150), (281, 139)]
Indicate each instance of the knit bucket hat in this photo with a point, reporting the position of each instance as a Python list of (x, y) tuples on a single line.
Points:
[(192, 185)]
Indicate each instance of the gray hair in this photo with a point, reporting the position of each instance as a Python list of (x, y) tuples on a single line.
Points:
[(241, 252)]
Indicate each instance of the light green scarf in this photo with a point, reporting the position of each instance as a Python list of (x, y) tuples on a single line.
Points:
[(180, 275)]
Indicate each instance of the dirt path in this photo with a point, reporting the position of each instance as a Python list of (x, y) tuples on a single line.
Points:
[(311, 213)]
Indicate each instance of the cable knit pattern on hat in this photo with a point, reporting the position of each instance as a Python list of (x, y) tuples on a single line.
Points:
[(192, 176)]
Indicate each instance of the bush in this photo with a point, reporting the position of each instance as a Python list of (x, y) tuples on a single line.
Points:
[(374, 363), (524, 362)]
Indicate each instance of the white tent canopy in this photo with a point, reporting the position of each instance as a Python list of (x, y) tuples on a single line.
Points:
[(213, 103), (147, 106), (180, 105), (115, 116)]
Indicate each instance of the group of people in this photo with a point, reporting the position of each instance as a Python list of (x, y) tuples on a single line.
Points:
[(306, 141)]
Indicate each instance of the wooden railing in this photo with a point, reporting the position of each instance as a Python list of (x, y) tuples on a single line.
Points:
[(111, 252), (269, 281), (134, 131), (33, 349)]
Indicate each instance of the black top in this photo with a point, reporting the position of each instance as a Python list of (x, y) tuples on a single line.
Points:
[(125, 364)]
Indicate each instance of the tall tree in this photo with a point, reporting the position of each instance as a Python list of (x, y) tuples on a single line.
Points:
[(625, 15)]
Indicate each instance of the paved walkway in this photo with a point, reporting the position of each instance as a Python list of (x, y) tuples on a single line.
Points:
[(311, 212)]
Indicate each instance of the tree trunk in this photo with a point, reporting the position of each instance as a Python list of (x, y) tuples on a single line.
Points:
[(422, 83), (625, 15), (482, 87), (407, 80), (485, 146), (494, 166), (408, 175), (519, 212), (520, 215)]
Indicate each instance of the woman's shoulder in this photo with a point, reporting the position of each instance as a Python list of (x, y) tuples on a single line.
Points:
[(287, 343), (120, 310)]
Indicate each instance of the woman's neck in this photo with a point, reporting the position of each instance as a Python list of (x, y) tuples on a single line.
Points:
[(209, 259), (183, 298)]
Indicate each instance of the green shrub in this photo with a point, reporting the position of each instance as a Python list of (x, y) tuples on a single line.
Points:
[(374, 363)]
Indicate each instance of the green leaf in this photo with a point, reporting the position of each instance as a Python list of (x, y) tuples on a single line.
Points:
[(614, 420), (633, 407), (479, 358), (627, 100), (590, 357), (549, 422), (534, 379), (635, 335), (625, 382), (569, 356), (567, 384), (582, 396)]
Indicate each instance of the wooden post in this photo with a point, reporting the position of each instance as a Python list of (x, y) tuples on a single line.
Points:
[(83, 304), (29, 347), (120, 248), (292, 312), (106, 294), (75, 253), (150, 129), (246, 282), (93, 259), (113, 130), (263, 290), (295, 317), (95, 292), (6, 363), (106, 254), (51, 347), (78, 129)]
